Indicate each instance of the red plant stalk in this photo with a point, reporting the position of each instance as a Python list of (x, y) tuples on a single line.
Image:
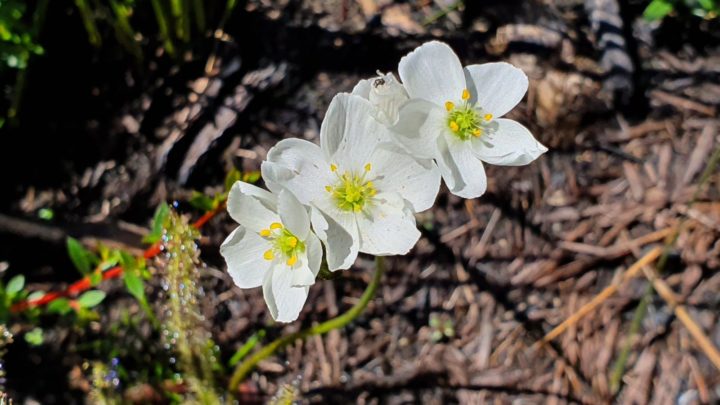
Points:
[(85, 283)]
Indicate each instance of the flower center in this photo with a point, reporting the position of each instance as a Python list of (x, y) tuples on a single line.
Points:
[(352, 192), (466, 121), (284, 243)]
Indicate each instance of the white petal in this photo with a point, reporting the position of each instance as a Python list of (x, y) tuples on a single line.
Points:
[(265, 197), (268, 294), (249, 211), (498, 86), (301, 273), (314, 253), (294, 215), (299, 166), (432, 72), (289, 300), (388, 228), (463, 173), (243, 253), (511, 145), (349, 133), (418, 126), (417, 181), (339, 234), (362, 89)]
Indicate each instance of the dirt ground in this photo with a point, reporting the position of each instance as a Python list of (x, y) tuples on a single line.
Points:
[(628, 108)]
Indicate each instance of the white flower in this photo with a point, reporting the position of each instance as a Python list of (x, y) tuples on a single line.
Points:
[(362, 192), (273, 247), (453, 116), (385, 93)]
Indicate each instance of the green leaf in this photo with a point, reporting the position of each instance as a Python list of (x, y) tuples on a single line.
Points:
[(46, 213), (91, 298), (59, 306), (233, 176), (95, 278), (251, 177), (201, 201), (161, 214), (80, 256), (35, 295), (15, 285), (135, 285), (657, 10), (34, 337)]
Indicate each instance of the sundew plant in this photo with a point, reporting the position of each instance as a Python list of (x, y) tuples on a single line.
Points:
[(383, 150)]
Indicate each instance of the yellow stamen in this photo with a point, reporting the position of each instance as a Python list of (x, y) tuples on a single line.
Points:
[(328, 189), (454, 126), (292, 241), (488, 117), (333, 167), (268, 255), (292, 260), (449, 105), (368, 167), (276, 225), (466, 94), (477, 132), (265, 233)]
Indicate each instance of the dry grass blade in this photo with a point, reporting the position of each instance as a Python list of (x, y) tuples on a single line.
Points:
[(602, 296)]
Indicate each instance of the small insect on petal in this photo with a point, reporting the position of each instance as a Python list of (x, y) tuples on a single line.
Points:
[(268, 255), (449, 105), (465, 94)]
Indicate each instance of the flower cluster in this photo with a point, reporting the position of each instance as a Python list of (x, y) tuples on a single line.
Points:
[(383, 149)]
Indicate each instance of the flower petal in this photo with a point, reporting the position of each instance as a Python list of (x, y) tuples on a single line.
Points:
[(301, 273), (498, 86), (511, 145), (463, 173), (243, 253), (293, 215), (288, 300), (362, 89), (314, 253), (248, 210), (339, 236), (417, 181), (432, 72), (418, 127), (389, 228), (299, 166), (349, 133)]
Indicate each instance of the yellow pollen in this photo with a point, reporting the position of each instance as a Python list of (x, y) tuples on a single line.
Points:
[(488, 117), (477, 132), (276, 225), (292, 260), (333, 167), (454, 126), (328, 189), (268, 255), (368, 167), (466, 94), (265, 233), (449, 105), (292, 241)]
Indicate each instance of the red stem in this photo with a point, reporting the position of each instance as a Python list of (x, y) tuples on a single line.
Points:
[(114, 272)]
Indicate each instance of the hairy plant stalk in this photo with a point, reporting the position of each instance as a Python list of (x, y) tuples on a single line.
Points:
[(184, 326), (242, 370)]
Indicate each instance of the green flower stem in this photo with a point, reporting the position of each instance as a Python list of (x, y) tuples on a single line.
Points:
[(242, 370)]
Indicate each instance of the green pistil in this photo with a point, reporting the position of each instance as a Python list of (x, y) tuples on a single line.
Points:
[(352, 192), (465, 122)]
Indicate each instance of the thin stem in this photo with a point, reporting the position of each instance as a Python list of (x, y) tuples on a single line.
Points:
[(244, 368)]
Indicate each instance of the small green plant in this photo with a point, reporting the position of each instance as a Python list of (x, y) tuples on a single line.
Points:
[(659, 9)]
